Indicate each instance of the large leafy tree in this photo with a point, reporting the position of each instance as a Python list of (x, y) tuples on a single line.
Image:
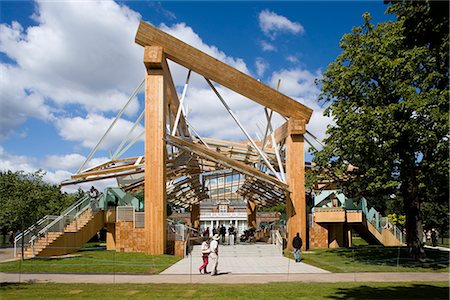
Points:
[(389, 91), (25, 198)]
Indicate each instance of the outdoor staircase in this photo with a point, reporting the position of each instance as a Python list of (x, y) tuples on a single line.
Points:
[(67, 233), (54, 243)]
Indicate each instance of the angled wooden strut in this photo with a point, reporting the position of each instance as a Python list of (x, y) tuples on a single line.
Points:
[(211, 68), (224, 160)]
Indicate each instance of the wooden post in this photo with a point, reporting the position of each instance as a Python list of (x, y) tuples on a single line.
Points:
[(195, 215), (251, 214), (295, 171), (155, 152)]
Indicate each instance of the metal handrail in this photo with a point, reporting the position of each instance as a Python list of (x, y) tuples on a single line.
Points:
[(59, 221), (66, 213), (30, 230)]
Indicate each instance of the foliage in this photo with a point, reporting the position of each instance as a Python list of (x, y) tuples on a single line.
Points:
[(389, 91), (25, 198), (397, 220)]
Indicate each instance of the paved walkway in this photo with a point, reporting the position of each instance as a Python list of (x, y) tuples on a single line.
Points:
[(226, 278), (245, 265), (6, 253)]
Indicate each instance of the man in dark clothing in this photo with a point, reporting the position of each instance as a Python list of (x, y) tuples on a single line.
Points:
[(222, 232), (297, 244)]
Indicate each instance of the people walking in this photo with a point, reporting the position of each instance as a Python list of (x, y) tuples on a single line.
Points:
[(297, 244), (214, 253), (231, 232), (433, 237), (205, 255), (206, 233), (222, 232)]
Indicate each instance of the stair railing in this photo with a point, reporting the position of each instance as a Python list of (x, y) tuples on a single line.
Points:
[(67, 216), (31, 231)]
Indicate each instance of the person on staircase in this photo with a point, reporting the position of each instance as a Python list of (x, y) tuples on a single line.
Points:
[(93, 195), (297, 244)]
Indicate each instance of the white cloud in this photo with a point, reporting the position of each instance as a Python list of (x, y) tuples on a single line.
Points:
[(299, 84), (72, 56), (268, 47), (71, 161), (261, 66), (292, 59), (187, 35), (55, 166), (271, 24), (88, 131)]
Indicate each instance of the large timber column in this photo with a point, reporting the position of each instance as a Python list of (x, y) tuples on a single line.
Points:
[(251, 214), (195, 215), (155, 152), (295, 173)]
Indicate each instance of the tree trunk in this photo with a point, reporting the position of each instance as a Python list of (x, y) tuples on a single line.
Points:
[(410, 193)]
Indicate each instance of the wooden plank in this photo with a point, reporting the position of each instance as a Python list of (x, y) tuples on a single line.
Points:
[(292, 126), (155, 160), (251, 214), (218, 157), (220, 72), (106, 171), (296, 202)]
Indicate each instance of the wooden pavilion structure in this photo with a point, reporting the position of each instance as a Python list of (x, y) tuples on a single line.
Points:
[(174, 160)]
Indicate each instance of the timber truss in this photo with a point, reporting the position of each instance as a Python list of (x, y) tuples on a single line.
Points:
[(176, 157)]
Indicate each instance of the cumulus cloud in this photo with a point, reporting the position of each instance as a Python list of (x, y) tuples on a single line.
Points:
[(88, 130), (57, 167), (261, 66), (268, 47), (292, 59), (299, 84), (72, 56), (272, 24)]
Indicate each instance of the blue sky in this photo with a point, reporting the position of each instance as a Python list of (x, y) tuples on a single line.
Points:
[(68, 67)]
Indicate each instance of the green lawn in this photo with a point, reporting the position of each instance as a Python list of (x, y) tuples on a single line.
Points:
[(94, 261), (375, 259), (350, 290)]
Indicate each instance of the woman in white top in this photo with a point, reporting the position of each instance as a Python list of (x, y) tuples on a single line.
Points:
[(205, 254)]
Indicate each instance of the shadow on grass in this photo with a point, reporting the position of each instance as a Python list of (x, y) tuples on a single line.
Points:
[(394, 256), (416, 291)]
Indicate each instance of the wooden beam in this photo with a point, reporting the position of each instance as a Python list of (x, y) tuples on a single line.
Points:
[(291, 126), (220, 72), (195, 216), (155, 153), (222, 159), (296, 202), (251, 213)]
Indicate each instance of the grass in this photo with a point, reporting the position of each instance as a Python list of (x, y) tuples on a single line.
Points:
[(94, 261), (358, 241), (374, 259), (342, 290)]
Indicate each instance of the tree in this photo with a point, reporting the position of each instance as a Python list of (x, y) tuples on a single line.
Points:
[(389, 91), (26, 198)]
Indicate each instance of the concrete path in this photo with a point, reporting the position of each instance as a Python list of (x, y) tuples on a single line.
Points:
[(244, 265), (6, 254), (226, 278)]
